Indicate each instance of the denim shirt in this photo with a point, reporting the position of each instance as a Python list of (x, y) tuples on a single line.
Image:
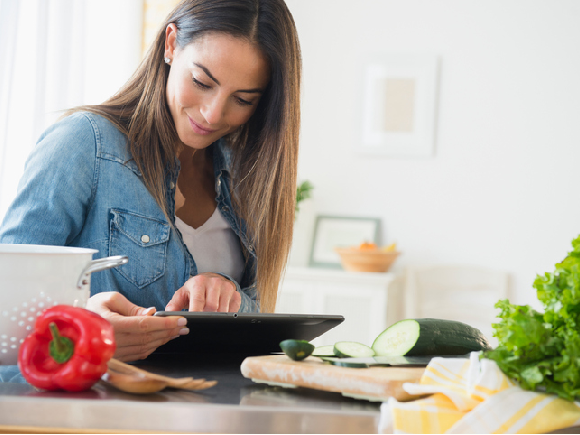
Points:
[(81, 188)]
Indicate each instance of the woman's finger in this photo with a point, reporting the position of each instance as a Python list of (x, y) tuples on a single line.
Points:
[(105, 302), (235, 302), (212, 298), (218, 292), (179, 301), (139, 345), (227, 296), (139, 325), (132, 350), (224, 301), (208, 292), (137, 332), (190, 296)]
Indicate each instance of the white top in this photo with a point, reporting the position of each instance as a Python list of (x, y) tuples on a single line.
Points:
[(214, 246)]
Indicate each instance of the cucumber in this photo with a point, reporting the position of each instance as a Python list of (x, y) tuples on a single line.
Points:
[(350, 364), (429, 337), (338, 361), (297, 349), (329, 359), (352, 349), (324, 350)]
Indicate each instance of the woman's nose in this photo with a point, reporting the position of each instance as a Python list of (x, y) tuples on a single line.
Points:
[(213, 110)]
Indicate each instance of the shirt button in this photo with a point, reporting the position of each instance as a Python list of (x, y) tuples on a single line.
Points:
[(145, 238), (172, 185), (219, 182)]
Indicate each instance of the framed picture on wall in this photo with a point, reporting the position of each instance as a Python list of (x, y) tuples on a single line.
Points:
[(398, 105), (339, 231)]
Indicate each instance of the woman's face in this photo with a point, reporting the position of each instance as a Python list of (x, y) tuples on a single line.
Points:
[(214, 85)]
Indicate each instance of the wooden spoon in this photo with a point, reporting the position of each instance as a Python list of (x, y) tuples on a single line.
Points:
[(133, 383), (132, 379), (120, 367), (196, 385)]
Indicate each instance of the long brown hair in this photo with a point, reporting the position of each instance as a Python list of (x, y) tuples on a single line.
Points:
[(265, 150)]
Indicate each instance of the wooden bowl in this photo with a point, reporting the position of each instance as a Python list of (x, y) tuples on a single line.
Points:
[(355, 260)]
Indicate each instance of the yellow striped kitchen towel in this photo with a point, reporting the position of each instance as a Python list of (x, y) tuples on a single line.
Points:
[(474, 396)]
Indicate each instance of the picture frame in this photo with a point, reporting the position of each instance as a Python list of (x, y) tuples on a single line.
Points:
[(398, 105), (340, 231)]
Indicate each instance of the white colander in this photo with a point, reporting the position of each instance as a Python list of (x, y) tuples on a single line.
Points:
[(36, 277)]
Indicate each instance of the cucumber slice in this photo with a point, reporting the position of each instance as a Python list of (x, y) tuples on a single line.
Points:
[(329, 359), (350, 364), (429, 337), (352, 349), (297, 349), (338, 361), (324, 350)]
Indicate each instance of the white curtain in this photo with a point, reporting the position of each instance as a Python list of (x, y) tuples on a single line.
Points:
[(9, 13), (54, 55), (41, 49)]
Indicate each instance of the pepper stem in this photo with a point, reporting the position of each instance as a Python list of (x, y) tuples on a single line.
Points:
[(60, 348)]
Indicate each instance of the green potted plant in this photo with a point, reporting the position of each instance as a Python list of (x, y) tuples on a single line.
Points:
[(303, 191)]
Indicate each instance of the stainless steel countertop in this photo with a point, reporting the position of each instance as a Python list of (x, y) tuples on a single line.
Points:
[(234, 405)]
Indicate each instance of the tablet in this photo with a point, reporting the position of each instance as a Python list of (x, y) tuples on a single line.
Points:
[(246, 334)]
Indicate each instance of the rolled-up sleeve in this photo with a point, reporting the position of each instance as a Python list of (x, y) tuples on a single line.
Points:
[(57, 187), (250, 302)]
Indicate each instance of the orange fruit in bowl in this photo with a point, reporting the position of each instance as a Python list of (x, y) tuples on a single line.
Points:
[(355, 259), (366, 246)]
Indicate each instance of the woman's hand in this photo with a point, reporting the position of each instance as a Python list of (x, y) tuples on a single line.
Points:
[(206, 292), (137, 332)]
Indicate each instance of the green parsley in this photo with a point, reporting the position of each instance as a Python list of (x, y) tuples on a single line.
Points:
[(542, 351)]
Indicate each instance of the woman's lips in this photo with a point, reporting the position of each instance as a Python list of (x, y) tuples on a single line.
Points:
[(199, 129)]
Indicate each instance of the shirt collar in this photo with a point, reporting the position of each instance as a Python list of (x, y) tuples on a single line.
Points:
[(222, 157)]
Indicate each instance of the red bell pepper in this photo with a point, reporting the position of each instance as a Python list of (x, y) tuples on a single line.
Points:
[(68, 350)]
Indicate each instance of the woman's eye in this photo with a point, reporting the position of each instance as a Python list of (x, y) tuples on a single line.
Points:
[(200, 84), (243, 102)]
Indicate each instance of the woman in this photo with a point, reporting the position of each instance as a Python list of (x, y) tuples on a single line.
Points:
[(190, 170)]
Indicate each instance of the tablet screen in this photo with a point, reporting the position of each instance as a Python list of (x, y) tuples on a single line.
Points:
[(245, 333)]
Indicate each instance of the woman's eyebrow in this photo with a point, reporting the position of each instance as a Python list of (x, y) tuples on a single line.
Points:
[(208, 73), (205, 70)]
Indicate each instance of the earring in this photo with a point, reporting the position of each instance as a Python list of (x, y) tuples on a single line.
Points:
[(167, 60)]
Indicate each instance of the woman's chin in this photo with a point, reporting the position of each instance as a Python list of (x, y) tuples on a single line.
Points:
[(197, 142)]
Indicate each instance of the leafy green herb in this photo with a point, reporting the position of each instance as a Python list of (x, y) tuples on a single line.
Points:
[(542, 351), (303, 191)]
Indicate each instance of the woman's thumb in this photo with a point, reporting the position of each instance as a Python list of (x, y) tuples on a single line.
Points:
[(147, 311), (121, 305)]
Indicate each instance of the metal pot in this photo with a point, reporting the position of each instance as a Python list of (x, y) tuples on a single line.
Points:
[(35, 277)]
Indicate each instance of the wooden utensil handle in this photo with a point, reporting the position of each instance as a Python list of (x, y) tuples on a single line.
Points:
[(121, 367), (133, 383)]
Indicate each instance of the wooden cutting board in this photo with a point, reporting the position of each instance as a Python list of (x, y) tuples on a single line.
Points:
[(373, 383)]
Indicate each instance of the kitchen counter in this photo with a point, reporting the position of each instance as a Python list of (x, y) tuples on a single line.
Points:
[(234, 405)]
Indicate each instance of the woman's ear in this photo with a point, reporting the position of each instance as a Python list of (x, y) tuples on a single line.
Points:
[(170, 37)]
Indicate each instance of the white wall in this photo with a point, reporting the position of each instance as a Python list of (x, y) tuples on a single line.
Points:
[(86, 64), (114, 35), (502, 187)]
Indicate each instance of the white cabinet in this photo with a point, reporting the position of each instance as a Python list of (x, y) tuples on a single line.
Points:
[(369, 302)]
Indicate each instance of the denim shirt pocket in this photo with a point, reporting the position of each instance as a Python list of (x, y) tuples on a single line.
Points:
[(144, 241)]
